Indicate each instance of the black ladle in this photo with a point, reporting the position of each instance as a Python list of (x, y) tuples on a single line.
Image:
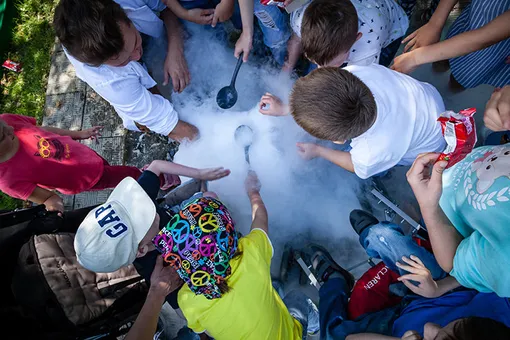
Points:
[(244, 138), (227, 97)]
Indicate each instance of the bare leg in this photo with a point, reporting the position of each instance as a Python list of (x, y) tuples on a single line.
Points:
[(184, 131)]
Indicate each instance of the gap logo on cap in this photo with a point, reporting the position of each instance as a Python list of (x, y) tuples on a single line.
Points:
[(111, 220)]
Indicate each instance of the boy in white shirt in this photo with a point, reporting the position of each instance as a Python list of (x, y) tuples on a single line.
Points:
[(389, 117), (102, 40), (334, 32)]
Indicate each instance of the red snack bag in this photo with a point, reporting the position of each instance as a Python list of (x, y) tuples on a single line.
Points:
[(12, 65), (459, 131), (272, 3)]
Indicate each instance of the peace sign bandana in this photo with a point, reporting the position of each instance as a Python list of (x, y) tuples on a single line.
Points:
[(199, 242)]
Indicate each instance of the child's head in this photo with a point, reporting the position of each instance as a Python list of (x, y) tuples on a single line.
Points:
[(7, 138), (328, 31), (97, 32), (199, 243), (115, 233), (332, 104)]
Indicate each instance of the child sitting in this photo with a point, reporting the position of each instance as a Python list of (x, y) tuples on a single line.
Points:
[(334, 32), (34, 159), (389, 117), (228, 291)]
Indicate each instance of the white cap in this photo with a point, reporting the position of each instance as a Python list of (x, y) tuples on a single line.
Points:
[(108, 237)]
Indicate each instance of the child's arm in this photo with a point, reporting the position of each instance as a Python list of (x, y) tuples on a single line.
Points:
[(159, 167), (92, 133), (244, 43), (258, 208), (51, 200), (341, 158), (430, 33), (175, 66), (294, 50), (459, 45)]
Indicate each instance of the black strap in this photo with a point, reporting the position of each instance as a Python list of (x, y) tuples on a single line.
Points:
[(19, 216), (106, 291)]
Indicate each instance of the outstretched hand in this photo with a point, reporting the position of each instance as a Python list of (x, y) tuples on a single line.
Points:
[(497, 110), (176, 69), (426, 180), (91, 133), (244, 45), (418, 272), (212, 174), (164, 280), (308, 150), (252, 183), (426, 35), (271, 105), (406, 63)]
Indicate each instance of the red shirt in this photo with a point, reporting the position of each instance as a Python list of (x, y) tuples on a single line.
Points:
[(47, 160)]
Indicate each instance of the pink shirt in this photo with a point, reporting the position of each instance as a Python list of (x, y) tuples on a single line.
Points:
[(47, 160)]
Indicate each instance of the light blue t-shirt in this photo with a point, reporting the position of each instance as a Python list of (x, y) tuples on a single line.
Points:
[(476, 199)]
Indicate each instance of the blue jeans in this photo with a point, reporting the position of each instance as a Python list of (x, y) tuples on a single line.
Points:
[(387, 242), (275, 28)]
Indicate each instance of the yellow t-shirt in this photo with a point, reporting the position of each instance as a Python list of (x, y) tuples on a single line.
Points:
[(252, 309)]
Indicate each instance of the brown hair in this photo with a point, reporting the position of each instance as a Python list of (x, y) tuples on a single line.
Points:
[(329, 28), (89, 29), (223, 285), (332, 104)]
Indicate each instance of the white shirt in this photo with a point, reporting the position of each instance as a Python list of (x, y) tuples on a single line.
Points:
[(380, 21), (126, 87), (406, 123)]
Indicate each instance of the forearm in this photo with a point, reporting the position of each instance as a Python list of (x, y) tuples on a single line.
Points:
[(176, 8), (467, 42), (447, 284), (40, 195), (441, 13), (147, 321), (173, 28), (443, 236), (164, 167), (341, 158), (259, 212), (246, 7), (294, 50), (62, 132)]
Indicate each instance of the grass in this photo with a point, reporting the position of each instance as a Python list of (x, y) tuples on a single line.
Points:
[(32, 39)]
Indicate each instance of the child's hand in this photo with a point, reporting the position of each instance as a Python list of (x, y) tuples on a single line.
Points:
[(497, 110), (92, 133), (426, 180), (418, 272), (164, 280), (223, 12), (212, 174), (252, 183), (406, 63), (426, 35), (308, 150), (54, 203), (200, 16), (271, 105), (244, 45)]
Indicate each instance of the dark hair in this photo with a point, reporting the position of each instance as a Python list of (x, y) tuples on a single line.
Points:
[(474, 328), (89, 29), (332, 104), (329, 28), (223, 285)]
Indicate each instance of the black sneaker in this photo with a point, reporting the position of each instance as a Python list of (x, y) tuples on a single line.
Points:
[(324, 266), (360, 220)]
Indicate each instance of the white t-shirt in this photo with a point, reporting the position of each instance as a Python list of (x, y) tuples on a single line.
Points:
[(126, 87), (380, 21), (406, 123)]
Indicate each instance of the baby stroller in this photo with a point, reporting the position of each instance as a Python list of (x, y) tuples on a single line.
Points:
[(45, 293)]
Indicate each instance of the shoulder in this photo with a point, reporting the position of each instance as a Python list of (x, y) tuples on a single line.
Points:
[(13, 119)]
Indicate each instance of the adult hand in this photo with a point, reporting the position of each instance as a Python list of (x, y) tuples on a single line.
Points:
[(200, 16), (426, 35), (92, 133), (426, 180), (308, 150), (418, 272), (223, 12), (176, 68), (212, 174), (271, 105), (244, 44), (405, 63), (164, 280), (497, 110), (54, 203), (252, 183)]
